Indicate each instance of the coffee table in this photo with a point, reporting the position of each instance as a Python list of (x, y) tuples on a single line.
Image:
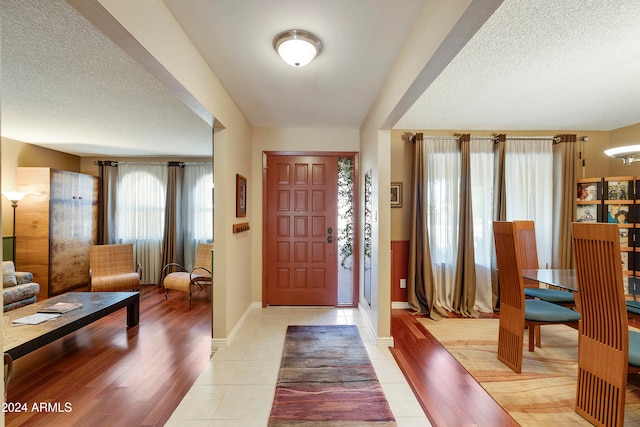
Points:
[(20, 340)]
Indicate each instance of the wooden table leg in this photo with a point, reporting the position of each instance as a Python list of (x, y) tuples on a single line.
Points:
[(133, 311)]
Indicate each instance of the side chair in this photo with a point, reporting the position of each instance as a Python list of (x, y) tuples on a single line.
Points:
[(516, 311), (607, 350), (111, 268), (529, 257), (177, 277)]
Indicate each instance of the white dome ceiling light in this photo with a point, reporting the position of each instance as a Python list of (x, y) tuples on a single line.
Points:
[(297, 47)]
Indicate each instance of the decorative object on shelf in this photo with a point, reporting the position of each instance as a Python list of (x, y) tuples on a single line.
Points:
[(396, 194), (14, 197), (297, 47), (628, 153), (241, 196)]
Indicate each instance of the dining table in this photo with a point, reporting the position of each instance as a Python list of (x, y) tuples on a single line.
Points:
[(559, 278), (566, 279)]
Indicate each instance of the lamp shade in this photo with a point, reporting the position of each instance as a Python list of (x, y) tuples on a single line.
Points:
[(14, 196), (297, 47)]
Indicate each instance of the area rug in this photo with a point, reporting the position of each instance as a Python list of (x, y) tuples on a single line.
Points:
[(327, 379), (544, 393)]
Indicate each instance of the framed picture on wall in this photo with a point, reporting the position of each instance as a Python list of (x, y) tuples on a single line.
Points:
[(396, 194), (241, 196)]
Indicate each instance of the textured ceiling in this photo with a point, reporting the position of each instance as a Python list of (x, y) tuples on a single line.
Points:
[(360, 38), (66, 86), (535, 64), (541, 65)]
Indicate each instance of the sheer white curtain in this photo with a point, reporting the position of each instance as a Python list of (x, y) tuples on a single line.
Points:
[(529, 189), (482, 171), (198, 208), (140, 206), (443, 162)]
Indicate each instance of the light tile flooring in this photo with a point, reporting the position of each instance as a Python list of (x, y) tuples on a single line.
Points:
[(237, 386)]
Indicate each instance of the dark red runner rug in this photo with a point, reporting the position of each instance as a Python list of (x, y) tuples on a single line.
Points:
[(327, 379)]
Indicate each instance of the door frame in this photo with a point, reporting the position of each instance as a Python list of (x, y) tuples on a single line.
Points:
[(356, 213)]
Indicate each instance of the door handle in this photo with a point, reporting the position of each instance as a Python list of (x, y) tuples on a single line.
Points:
[(329, 239)]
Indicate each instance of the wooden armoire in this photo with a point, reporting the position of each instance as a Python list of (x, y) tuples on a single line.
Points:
[(56, 224)]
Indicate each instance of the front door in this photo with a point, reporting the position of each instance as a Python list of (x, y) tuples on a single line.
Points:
[(301, 230)]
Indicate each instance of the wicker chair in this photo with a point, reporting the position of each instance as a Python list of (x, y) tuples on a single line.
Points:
[(607, 350), (529, 258), (516, 312), (184, 279), (111, 268)]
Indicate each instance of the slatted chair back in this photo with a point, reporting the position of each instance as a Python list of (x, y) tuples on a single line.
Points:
[(525, 230), (528, 249), (512, 306), (603, 345)]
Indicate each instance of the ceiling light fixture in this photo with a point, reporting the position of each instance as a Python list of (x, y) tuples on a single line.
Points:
[(628, 153), (297, 47)]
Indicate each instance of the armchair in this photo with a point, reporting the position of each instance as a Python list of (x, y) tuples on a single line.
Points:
[(177, 277), (111, 268)]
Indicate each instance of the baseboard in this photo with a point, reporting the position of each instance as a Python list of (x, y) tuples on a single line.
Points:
[(400, 305), (380, 341), (217, 343)]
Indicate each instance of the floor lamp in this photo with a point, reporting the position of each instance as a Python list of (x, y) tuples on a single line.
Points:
[(14, 197)]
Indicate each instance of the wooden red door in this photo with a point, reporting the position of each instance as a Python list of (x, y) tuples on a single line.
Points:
[(301, 230)]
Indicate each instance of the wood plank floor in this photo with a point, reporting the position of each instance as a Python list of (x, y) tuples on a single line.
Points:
[(108, 375), (112, 376), (449, 395)]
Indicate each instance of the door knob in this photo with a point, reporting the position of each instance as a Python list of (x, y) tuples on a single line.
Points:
[(329, 239)]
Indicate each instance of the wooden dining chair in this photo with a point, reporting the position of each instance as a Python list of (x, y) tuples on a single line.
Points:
[(607, 349), (516, 311), (529, 258)]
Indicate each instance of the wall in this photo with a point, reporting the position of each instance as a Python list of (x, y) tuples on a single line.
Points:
[(20, 154)]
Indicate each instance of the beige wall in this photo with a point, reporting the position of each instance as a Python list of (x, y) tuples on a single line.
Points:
[(19, 154)]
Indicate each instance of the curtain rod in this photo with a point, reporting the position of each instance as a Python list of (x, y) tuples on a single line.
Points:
[(495, 138), (114, 163)]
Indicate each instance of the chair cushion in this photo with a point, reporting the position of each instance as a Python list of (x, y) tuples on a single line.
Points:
[(551, 295), (543, 311), (634, 348), (633, 307), (116, 282)]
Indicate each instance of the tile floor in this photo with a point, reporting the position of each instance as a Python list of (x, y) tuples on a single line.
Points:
[(237, 386)]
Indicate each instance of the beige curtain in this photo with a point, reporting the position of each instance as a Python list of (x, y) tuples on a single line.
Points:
[(465, 283), (107, 197), (420, 283), (564, 158), (499, 204), (172, 242)]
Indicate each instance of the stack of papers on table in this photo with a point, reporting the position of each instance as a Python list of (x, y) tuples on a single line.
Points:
[(60, 307), (34, 319)]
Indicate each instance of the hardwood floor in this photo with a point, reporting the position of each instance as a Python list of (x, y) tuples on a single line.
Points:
[(108, 375), (113, 376), (449, 395)]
